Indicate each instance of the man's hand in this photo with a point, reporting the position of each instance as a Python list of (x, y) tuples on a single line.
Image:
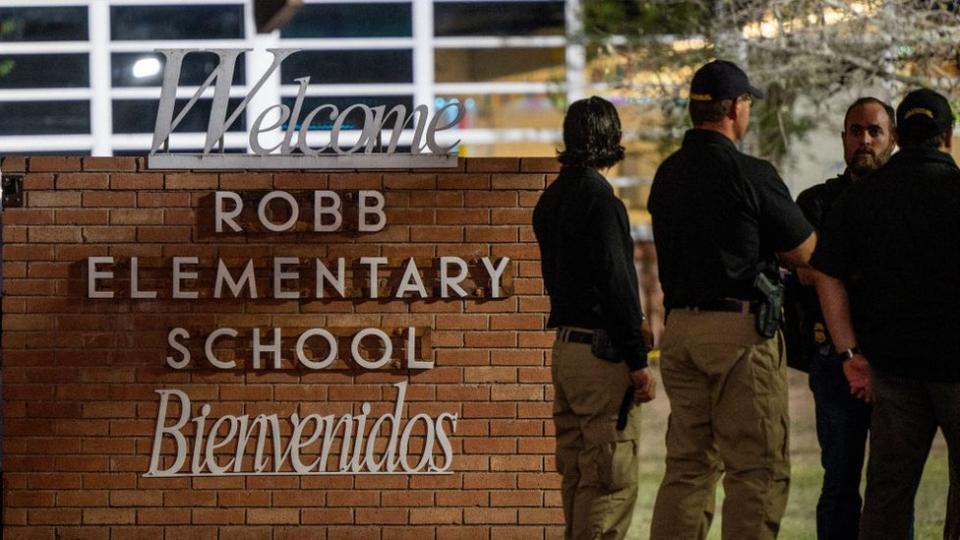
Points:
[(857, 372), (644, 385)]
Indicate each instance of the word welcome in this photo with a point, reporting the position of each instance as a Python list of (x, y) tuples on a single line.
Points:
[(298, 122)]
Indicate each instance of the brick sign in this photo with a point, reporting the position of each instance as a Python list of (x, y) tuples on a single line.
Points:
[(276, 354)]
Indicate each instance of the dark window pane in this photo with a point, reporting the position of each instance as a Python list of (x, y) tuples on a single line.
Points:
[(339, 67), (350, 20), (45, 70), (514, 64), (498, 18), (43, 24), (140, 116), (322, 122), (44, 117), (146, 69), (177, 22)]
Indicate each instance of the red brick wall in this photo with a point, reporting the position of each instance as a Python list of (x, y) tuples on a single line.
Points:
[(80, 375)]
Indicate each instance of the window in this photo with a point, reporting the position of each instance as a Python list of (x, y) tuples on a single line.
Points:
[(65, 59), (350, 20), (45, 70), (504, 111), (44, 117), (514, 64), (356, 66), (509, 148), (322, 121), (140, 116), (177, 22), (43, 24), (146, 69), (498, 18)]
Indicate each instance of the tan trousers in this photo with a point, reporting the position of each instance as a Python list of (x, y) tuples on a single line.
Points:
[(598, 463), (728, 414)]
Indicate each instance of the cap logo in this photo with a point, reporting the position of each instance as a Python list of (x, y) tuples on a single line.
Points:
[(918, 110), (701, 97)]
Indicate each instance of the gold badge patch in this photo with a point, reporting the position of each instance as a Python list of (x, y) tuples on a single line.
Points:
[(819, 333)]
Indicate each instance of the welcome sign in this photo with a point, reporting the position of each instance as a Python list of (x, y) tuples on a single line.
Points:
[(364, 152)]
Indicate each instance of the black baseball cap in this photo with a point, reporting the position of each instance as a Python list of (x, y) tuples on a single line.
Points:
[(924, 110), (719, 80)]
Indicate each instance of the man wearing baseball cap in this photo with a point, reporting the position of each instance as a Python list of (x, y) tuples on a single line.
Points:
[(721, 221), (889, 283)]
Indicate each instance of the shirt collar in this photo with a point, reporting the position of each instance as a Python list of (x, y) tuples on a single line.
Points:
[(707, 136), (580, 171), (845, 178), (923, 154)]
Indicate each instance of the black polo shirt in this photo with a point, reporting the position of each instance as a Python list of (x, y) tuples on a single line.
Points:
[(816, 202), (719, 217), (587, 260), (895, 236)]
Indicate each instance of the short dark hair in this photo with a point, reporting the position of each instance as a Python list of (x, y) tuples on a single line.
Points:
[(887, 108), (708, 111), (591, 134)]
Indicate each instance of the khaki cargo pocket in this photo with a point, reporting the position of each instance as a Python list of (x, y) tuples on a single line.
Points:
[(618, 464)]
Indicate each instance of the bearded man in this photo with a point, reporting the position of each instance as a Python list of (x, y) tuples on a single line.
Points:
[(843, 419)]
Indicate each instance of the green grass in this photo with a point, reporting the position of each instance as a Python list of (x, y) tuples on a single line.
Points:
[(799, 523)]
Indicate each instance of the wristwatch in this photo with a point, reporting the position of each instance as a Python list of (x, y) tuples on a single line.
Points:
[(849, 353)]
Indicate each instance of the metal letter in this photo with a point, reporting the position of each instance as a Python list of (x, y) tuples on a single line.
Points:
[(434, 127), (174, 431), (387, 348)]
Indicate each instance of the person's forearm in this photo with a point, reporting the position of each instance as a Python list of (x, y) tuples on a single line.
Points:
[(805, 275), (799, 256), (836, 310)]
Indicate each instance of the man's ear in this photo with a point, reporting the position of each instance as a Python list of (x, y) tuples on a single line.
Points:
[(733, 109), (948, 138)]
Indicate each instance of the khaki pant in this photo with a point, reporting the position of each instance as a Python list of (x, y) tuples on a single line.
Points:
[(598, 463), (728, 413)]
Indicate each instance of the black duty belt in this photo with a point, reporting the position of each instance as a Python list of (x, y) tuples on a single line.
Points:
[(730, 305), (575, 336)]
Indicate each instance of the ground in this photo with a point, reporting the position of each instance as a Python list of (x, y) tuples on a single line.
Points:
[(799, 523)]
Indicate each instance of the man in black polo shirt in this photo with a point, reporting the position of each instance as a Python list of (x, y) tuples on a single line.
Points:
[(842, 419), (720, 218), (894, 240), (599, 354)]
